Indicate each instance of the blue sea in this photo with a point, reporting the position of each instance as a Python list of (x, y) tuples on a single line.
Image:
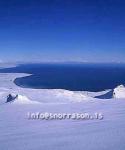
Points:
[(75, 77)]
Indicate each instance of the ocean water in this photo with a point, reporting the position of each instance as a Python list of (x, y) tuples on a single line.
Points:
[(76, 77)]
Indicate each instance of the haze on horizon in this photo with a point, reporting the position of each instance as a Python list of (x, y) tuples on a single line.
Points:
[(62, 31)]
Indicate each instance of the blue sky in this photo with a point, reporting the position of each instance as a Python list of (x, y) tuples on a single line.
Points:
[(62, 30)]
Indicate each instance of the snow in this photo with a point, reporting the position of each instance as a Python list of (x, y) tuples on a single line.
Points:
[(119, 92), (19, 133), (21, 99)]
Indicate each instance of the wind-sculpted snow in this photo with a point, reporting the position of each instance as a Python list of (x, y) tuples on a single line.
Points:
[(18, 132), (50, 95), (39, 95), (43, 96), (24, 100), (119, 92)]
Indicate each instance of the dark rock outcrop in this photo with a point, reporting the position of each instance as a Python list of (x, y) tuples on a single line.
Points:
[(11, 97)]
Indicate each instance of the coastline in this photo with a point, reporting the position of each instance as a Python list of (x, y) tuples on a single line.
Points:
[(16, 126), (71, 78), (7, 79), (49, 95)]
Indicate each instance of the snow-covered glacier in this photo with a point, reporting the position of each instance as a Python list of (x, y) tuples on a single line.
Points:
[(19, 133)]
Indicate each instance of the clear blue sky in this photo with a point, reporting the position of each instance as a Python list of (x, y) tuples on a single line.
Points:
[(62, 30)]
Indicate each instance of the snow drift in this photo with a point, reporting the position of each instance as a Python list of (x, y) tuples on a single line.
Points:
[(21, 99), (119, 92), (15, 99), (18, 132), (72, 96)]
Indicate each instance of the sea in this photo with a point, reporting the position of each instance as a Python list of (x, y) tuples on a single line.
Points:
[(69, 76)]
